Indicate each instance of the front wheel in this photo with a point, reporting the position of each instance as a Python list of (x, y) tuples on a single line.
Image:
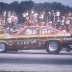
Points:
[(53, 47), (3, 48)]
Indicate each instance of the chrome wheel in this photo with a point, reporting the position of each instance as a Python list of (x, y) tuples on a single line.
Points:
[(53, 46)]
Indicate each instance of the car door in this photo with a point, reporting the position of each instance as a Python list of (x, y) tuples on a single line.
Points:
[(28, 38), (32, 37)]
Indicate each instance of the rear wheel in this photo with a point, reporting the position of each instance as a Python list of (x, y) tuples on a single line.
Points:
[(53, 47), (3, 48)]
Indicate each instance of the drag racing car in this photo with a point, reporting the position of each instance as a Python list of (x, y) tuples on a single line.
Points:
[(37, 37)]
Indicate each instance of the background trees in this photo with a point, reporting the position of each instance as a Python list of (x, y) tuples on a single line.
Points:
[(24, 6)]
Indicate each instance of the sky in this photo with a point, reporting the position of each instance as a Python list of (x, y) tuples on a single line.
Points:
[(65, 2)]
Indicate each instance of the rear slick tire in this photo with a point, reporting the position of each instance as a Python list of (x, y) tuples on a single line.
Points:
[(53, 47)]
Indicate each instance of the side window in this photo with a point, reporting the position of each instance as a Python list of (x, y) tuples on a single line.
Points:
[(31, 31), (35, 31), (52, 31), (44, 31), (48, 31), (28, 31)]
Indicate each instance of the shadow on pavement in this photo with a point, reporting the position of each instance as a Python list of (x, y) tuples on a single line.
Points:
[(15, 52)]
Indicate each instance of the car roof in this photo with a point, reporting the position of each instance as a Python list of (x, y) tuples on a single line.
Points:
[(40, 27)]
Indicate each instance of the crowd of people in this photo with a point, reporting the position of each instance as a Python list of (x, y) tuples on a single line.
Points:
[(9, 21), (53, 18)]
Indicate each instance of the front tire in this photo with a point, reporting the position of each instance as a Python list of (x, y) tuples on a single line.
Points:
[(53, 47), (3, 48)]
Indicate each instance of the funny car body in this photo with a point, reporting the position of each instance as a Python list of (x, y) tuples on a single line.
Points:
[(37, 37)]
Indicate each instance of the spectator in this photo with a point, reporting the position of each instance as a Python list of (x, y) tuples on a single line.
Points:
[(53, 16), (57, 14), (49, 17), (58, 23), (63, 23), (67, 24)]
